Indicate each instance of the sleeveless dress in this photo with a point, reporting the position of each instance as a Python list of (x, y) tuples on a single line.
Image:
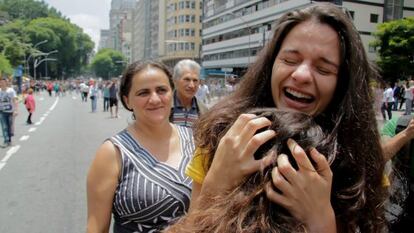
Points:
[(150, 194)]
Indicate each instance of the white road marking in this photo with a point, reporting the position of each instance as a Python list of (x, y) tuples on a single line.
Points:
[(24, 138), (41, 98), (14, 149), (54, 104), (10, 152)]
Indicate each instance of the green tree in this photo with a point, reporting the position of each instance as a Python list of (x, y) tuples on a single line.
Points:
[(28, 9), (108, 63), (395, 47), (72, 44), (5, 67), (28, 22)]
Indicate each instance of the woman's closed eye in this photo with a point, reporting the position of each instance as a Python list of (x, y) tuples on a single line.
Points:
[(289, 61)]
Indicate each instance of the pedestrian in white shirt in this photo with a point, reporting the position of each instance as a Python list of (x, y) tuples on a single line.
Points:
[(387, 102)]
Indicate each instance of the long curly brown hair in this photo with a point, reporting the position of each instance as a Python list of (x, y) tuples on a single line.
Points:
[(357, 192), (247, 209)]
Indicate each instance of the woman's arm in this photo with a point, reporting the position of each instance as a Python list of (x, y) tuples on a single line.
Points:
[(101, 184), (391, 146), (195, 193), (306, 192)]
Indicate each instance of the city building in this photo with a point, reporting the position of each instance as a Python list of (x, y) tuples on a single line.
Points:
[(148, 34), (183, 31), (234, 31), (120, 26), (167, 30), (104, 39)]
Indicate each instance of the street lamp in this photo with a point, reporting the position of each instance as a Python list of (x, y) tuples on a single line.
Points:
[(250, 32), (54, 51), (37, 63), (28, 59)]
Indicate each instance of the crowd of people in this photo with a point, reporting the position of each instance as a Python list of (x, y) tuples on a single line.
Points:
[(293, 148)]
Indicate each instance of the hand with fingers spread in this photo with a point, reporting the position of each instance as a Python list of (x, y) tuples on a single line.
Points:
[(234, 159), (305, 192)]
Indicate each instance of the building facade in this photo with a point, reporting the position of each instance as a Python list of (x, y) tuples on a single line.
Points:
[(148, 29), (234, 31), (104, 39), (182, 31), (120, 26)]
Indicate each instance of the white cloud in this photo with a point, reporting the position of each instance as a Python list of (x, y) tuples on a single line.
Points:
[(90, 24)]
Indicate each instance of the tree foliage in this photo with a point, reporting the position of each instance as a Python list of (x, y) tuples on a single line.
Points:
[(395, 47), (27, 23), (108, 63), (28, 9), (5, 67)]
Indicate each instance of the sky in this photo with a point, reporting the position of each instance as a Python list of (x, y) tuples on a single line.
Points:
[(91, 15)]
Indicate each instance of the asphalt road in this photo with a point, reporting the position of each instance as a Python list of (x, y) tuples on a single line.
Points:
[(43, 175)]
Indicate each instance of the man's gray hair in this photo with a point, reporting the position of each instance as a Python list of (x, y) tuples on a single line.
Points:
[(183, 64)]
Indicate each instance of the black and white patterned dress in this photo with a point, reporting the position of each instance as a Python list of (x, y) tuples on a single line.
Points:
[(150, 194)]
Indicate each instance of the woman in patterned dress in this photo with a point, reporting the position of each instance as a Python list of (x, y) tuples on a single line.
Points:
[(138, 174)]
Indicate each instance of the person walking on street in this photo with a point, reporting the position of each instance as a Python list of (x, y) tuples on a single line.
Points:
[(387, 102), (186, 107), (105, 94), (203, 93), (93, 94), (402, 94), (396, 94), (30, 104), (84, 91), (113, 99), (8, 109), (408, 95)]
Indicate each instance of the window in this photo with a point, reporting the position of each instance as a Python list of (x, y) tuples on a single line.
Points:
[(373, 18)]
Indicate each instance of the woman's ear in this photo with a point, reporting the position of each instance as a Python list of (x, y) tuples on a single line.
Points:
[(126, 101)]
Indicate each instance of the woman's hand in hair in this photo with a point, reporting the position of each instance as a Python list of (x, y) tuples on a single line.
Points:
[(234, 157), (306, 192)]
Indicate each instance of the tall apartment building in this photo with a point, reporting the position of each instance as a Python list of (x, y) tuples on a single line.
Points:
[(234, 31), (148, 29), (120, 26), (183, 31), (104, 39)]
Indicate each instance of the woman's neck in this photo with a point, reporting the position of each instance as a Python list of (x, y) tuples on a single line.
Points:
[(162, 131)]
